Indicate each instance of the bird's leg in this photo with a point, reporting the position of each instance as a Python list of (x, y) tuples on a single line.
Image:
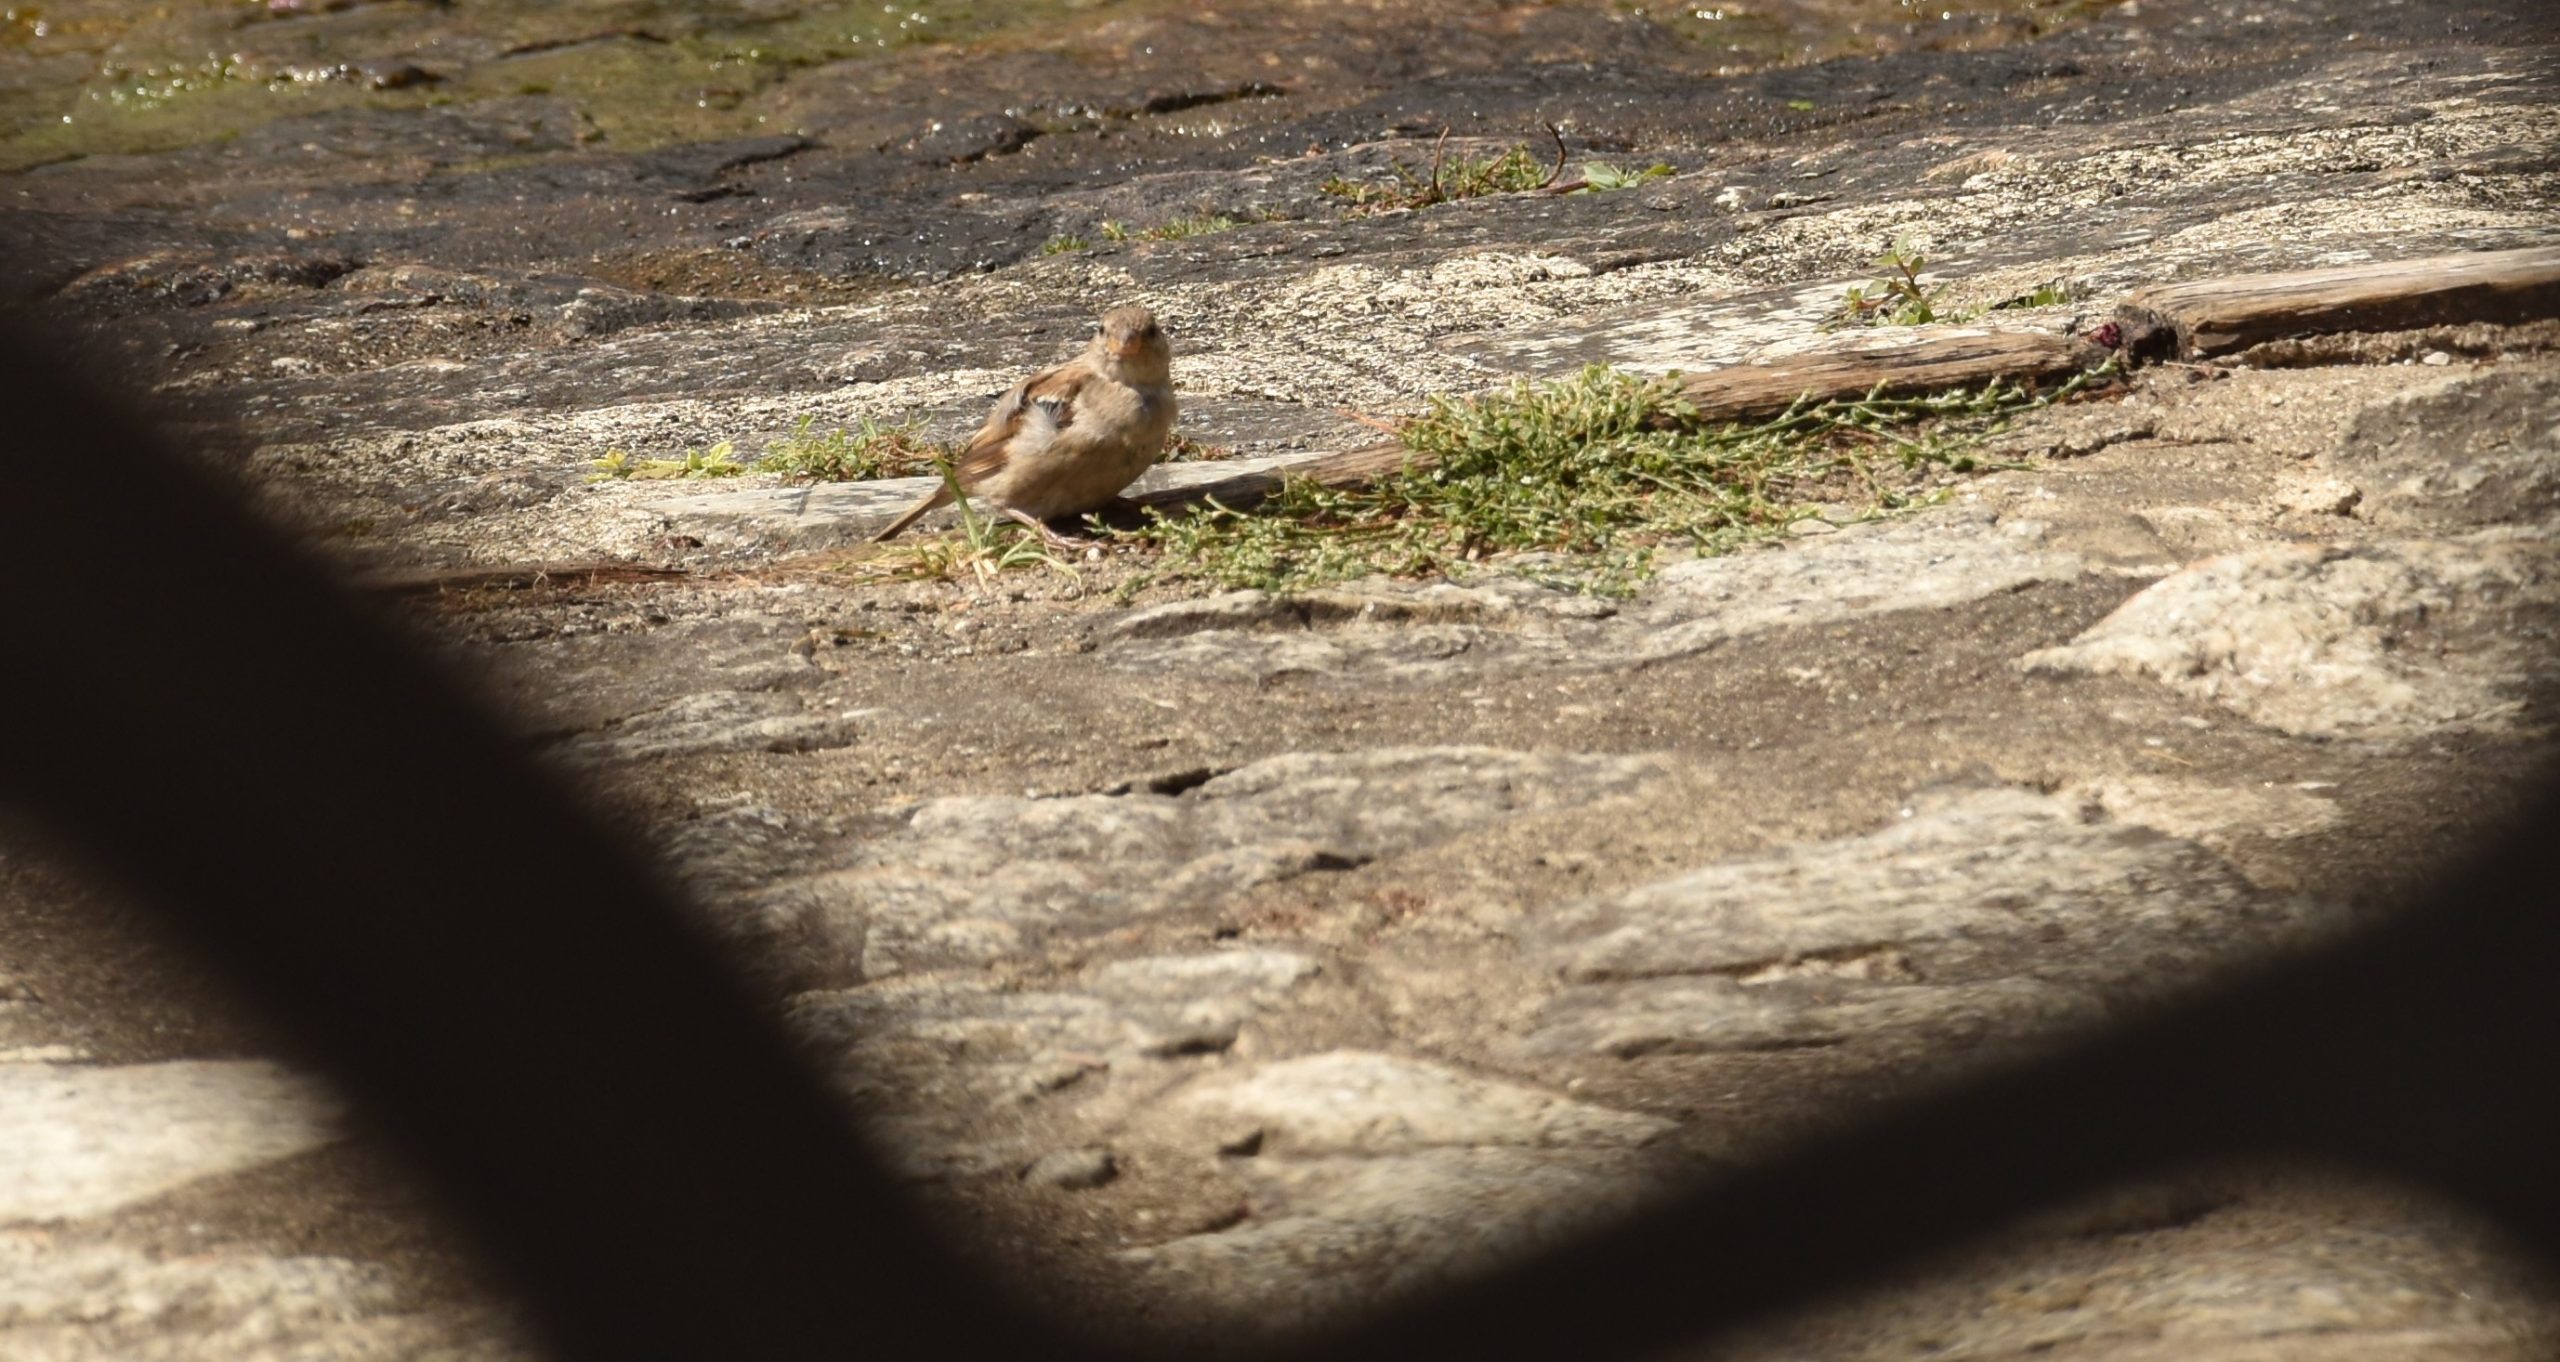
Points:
[(1050, 537)]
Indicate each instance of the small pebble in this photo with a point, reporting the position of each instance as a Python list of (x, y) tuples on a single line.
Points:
[(2328, 496), (1073, 1170)]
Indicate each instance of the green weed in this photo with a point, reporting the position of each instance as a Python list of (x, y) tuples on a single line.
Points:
[(1464, 177), (2052, 294), (1596, 474), (1450, 178), (719, 461), (984, 548), (873, 451), (1898, 299), (1205, 224)]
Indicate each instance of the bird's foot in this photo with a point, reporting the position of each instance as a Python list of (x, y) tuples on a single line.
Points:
[(1058, 543)]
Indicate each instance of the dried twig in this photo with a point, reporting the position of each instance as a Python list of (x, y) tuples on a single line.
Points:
[(518, 577), (1438, 149), (1558, 172), (1373, 422)]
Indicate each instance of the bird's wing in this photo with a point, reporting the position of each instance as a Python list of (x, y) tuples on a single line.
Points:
[(1046, 398), (1057, 390)]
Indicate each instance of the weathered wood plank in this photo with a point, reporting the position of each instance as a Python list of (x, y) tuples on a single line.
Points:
[(1916, 360), (2217, 316), (1933, 360), (1349, 468)]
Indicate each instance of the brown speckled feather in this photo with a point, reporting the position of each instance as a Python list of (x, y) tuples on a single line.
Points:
[(1066, 439), (1055, 389), (989, 449)]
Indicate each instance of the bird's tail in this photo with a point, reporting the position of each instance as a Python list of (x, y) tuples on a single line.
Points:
[(941, 497)]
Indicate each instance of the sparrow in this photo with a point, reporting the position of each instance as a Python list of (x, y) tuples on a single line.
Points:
[(1067, 439)]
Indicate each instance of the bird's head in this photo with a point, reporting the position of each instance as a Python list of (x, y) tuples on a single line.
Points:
[(1132, 343)]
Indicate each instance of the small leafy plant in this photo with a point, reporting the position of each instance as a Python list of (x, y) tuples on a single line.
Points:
[(1901, 299), (1898, 299), (2052, 294), (1450, 179), (1514, 171), (872, 451), (719, 461)]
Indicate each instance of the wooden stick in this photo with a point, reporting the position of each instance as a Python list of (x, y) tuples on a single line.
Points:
[(2217, 316), (1939, 358), (515, 577), (1934, 359), (1350, 468)]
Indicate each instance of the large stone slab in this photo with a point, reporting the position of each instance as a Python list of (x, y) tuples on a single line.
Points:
[(1424, 633), (1008, 1041), (975, 878), (1982, 914), (1360, 1102), (110, 1303), (78, 1140), (2386, 640), (2196, 1272), (1368, 1172), (2477, 449), (951, 1072), (1331, 1235), (1931, 562), (717, 721)]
